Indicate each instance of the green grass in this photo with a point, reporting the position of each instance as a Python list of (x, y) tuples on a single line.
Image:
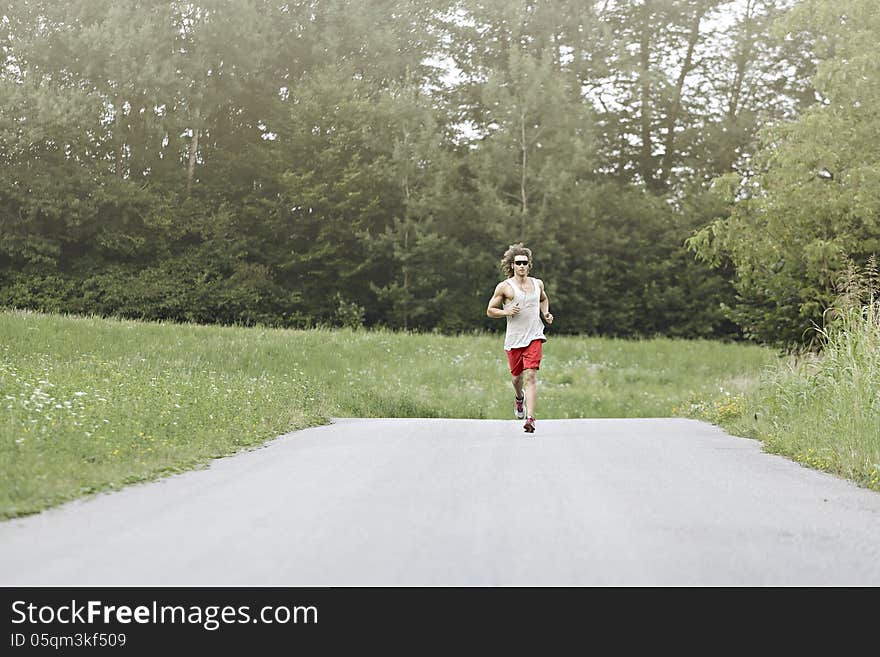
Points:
[(821, 409), (93, 404)]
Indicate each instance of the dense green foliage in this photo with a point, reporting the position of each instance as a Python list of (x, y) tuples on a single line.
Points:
[(342, 162), (809, 206)]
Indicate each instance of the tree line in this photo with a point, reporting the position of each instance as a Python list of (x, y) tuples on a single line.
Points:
[(348, 163)]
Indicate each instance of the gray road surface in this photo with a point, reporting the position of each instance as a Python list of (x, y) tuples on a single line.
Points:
[(467, 502)]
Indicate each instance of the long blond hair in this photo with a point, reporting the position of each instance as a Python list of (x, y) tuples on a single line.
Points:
[(513, 251)]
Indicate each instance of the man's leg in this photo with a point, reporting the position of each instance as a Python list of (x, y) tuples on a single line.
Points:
[(514, 360), (531, 363), (517, 384), (531, 390), (518, 402)]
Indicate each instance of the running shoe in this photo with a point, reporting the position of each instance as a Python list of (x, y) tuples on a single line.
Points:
[(529, 426), (519, 408)]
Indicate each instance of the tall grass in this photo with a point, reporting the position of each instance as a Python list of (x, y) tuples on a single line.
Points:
[(89, 404), (822, 408)]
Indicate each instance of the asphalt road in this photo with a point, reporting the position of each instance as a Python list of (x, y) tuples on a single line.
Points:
[(376, 502)]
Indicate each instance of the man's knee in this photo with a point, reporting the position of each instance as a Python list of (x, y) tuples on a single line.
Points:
[(530, 375)]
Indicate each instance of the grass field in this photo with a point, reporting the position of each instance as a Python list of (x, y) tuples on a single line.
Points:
[(93, 404), (822, 410)]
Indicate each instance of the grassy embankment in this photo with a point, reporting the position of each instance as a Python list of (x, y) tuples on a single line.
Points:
[(91, 404), (822, 410)]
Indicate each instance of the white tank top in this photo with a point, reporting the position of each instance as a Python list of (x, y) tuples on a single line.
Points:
[(525, 326)]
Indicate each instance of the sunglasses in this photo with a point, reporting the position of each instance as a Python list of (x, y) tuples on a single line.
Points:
[(521, 262)]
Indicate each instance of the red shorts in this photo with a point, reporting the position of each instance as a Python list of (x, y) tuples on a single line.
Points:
[(525, 358)]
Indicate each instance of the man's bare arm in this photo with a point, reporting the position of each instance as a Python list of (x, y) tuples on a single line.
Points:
[(545, 305), (495, 310)]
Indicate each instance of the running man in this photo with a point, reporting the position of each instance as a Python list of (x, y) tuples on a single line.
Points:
[(523, 301)]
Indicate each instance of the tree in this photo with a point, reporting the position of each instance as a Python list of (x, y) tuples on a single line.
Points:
[(421, 257), (813, 204), (313, 161)]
